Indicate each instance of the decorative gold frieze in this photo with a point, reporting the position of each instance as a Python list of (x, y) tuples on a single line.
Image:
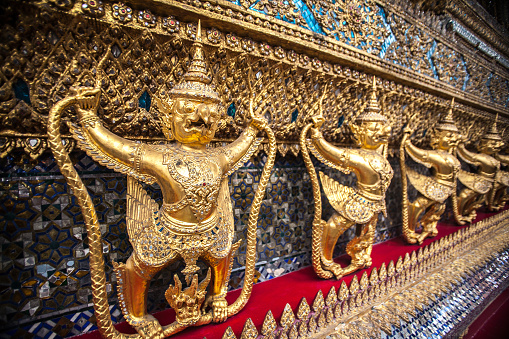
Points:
[(287, 318), (355, 22), (269, 326), (470, 13), (228, 334), (145, 60), (303, 310)]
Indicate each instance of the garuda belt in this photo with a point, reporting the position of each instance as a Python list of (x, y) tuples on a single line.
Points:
[(348, 202), (476, 182), (429, 186)]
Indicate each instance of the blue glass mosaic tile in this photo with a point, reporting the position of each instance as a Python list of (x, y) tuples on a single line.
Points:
[(308, 16)]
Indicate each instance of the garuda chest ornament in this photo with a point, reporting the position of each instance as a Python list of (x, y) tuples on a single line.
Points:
[(195, 173), (195, 220)]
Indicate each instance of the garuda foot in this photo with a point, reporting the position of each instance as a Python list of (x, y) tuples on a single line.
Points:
[(333, 267), (148, 327), (413, 238), (352, 268), (423, 236), (219, 307), (472, 216)]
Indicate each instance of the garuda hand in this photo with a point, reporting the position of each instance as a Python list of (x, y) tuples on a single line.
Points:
[(318, 121), (87, 99)]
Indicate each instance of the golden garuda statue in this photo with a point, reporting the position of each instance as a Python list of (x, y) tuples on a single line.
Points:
[(479, 187), (491, 144), (353, 205), (195, 221), (500, 196), (434, 189)]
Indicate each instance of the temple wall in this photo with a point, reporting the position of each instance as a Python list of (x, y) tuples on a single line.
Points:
[(421, 58)]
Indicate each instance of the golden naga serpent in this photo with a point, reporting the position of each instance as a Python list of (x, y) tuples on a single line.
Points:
[(316, 244), (98, 276)]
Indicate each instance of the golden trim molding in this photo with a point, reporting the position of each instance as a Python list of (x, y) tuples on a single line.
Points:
[(279, 32)]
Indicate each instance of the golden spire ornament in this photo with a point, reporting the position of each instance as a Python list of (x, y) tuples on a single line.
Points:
[(195, 220)]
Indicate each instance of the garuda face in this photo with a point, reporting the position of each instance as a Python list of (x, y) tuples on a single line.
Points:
[(445, 140), (490, 146), (372, 134), (195, 121)]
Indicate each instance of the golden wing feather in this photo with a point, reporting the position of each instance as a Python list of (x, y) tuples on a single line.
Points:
[(418, 181), (429, 186), (475, 182), (335, 192), (224, 203), (141, 209)]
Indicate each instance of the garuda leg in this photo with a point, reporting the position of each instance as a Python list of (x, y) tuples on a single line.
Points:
[(500, 197), (221, 270), (429, 221), (415, 209), (332, 230), (133, 280), (360, 247), (467, 202)]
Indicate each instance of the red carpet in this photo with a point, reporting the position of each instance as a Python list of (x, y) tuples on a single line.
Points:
[(290, 288), (492, 323)]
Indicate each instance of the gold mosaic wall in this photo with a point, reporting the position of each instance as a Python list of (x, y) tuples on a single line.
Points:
[(137, 52)]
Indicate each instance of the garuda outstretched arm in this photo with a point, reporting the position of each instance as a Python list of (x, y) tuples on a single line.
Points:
[(238, 152), (419, 155), (469, 157), (110, 150), (330, 155)]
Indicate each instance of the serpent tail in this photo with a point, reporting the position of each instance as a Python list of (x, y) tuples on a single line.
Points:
[(404, 184), (253, 222), (316, 245), (98, 276)]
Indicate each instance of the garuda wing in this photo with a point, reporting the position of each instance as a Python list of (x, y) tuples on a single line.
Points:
[(223, 240), (336, 193), (142, 211), (104, 159), (347, 202), (503, 178)]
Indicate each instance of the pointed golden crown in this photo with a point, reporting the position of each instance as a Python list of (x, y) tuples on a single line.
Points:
[(493, 134), (447, 123), (196, 81), (372, 111)]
